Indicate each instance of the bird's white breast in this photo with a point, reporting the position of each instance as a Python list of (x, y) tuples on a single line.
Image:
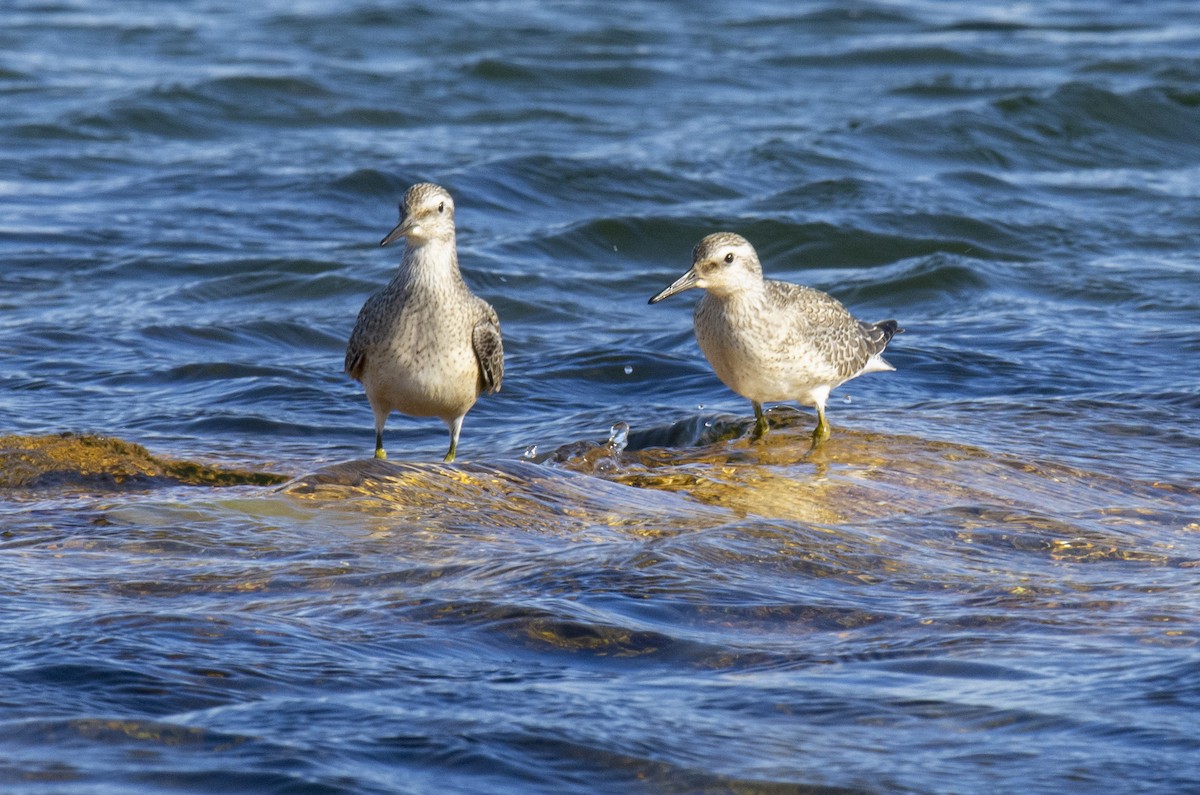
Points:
[(424, 364), (758, 354)]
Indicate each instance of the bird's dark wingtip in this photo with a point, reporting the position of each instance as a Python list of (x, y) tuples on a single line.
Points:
[(890, 328)]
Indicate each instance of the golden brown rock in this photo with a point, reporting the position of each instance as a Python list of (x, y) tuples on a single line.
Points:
[(84, 461)]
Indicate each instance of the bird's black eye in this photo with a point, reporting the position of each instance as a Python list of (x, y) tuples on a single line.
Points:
[(441, 207), (729, 257)]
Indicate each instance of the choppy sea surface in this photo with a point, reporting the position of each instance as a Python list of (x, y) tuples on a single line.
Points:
[(986, 581)]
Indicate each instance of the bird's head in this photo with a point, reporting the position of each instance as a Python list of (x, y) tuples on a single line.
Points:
[(724, 264), (426, 213)]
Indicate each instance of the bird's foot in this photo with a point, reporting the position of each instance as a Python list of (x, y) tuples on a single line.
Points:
[(380, 453)]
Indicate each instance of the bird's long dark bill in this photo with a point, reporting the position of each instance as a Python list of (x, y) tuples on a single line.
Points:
[(685, 282), (399, 231)]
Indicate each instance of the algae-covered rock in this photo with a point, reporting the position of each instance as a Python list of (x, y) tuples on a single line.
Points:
[(85, 461)]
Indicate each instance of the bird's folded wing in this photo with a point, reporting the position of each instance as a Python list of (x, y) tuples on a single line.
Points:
[(356, 356), (489, 350)]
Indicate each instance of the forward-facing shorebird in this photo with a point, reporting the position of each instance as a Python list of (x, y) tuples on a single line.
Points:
[(425, 345), (772, 341)]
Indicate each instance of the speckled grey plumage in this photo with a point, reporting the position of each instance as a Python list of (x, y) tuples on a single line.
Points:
[(772, 341), (425, 345)]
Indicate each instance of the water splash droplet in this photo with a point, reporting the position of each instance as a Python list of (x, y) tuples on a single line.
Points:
[(846, 399), (618, 438), (606, 458), (530, 452), (628, 369)]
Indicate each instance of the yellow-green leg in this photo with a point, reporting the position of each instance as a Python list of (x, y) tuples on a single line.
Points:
[(760, 420), (455, 429), (821, 432)]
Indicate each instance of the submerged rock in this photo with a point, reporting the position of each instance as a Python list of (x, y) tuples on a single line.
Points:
[(84, 461)]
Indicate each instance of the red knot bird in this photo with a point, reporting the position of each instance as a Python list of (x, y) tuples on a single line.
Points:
[(771, 341), (425, 345)]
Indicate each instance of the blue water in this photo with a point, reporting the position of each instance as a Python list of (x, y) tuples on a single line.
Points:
[(987, 582)]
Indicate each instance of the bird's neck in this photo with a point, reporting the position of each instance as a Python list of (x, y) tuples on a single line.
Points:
[(742, 298), (433, 262)]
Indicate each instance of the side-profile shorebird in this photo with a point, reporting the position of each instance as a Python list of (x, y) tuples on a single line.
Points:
[(425, 345), (772, 341)]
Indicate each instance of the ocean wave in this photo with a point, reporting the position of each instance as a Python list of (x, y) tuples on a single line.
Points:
[(1075, 126)]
